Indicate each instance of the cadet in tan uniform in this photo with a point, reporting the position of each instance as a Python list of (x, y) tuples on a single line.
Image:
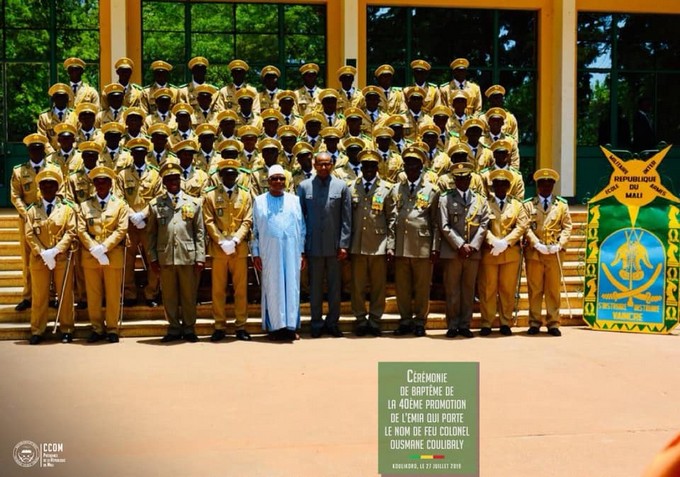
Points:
[(414, 117), (270, 80), (421, 70), (205, 110), (463, 221), (184, 119), (501, 255), (310, 134), (161, 152), (495, 118), (194, 180), (177, 253), (82, 92), (115, 95), (226, 98), (115, 156), (548, 234), (207, 155), (481, 156), (162, 109), (501, 154), (140, 183), (50, 231), (459, 68), (372, 219), (329, 111), (287, 106), (416, 243), (271, 121), (288, 136), (133, 92), (134, 124), (496, 96), (246, 114), (349, 96), (391, 162), (161, 73), (228, 215), (102, 229), (396, 123), (23, 192), (374, 100), (350, 171), (441, 116), (59, 112), (331, 140), (308, 95), (460, 152), (394, 96), (198, 66), (66, 154), (87, 115)]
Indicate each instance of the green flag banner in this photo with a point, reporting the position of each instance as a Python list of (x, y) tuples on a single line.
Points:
[(631, 272)]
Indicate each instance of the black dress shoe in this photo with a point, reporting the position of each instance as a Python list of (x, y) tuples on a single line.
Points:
[(506, 331), (81, 305), (151, 303), (36, 339), (465, 332), (316, 332), (94, 337), (112, 338), (243, 335), (290, 335), (170, 338), (403, 330), (419, 331), (191, 337), (485, 331), (554, 332), (533, 330), (129, 302), (53, 304), (67, 338), (361, 330), (452, 333), (218, 335), (23, 305), (374, 331), (335, 332)]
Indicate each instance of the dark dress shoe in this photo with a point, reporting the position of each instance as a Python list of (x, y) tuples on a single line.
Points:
[(81, 305), (191, 337), (170, 338), (485, 332), (361, 330), (403, 330), (23, 305), (533, 330), (419, 331), (465, 332), (94, 337), (506, 331), (67, 338), (335, 332), (316, 332), (290, 335), (243, 335), (218, 335), (112, 338), (452, 333), (151, 303), (36, 339), (374, 331), (129, 302), (53, 304), (554, 332)]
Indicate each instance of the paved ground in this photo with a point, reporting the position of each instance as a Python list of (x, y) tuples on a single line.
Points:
[(587, 404)]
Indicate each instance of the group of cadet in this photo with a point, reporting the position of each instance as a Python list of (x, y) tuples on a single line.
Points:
[(384, 174)]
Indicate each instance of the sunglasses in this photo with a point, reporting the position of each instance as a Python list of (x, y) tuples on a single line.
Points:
[(277, 179)]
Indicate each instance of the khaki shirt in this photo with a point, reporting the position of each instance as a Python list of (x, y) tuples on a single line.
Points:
[(416, 234), (509, 224), (228, 218), (547, 227), (372, 217), (138, 191), (106, 226), (56, 231)]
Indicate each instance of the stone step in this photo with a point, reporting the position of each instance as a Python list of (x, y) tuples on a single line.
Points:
[(10, 263), (11, 278), (10, 248), (9, 234), (204, 326)]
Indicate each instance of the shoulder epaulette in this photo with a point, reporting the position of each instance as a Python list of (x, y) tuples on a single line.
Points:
[(243, 188), (396, 88), (443, 84), (514, 169), (184, 85), (151, 166), (30, 205), (528, 200), (212, 170), (455, 134), (17, 166), (485, 169), (561, 199), (432, 84), (125, 149), (211, 188), (259, 169), (245, 170), (446, 192), (136, 86), (69, 203)]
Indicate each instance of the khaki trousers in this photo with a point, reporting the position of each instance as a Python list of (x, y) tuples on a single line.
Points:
[(412, 278), (178, 285), (543, 280), (371, 269), (496, 284), (238, 268), (41, 276), (139, 240)]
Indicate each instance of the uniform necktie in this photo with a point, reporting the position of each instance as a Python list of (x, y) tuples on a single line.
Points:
[(330, 120), (384, 156), (163, 117), (311, 92), (495, 138), (387, 94), (75, 88), (36, 169), (186, 173), (465, 197), (442, 137), (502, 203), (271, 96), (356, 170), (474, 151), (287, 119), (460, 120), (249, 156), (87, 136), (545, 204), (412, 188), (308, 175), (185, 135), (372, 113), (102, 204), (49, 209), (415, 117), (158, 156), (115, 114), (229, 193), (140, 170), (312, 142), (367, 186), (61, 115), (349, 95)]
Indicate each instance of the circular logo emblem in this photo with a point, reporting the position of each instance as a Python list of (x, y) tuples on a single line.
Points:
[(26, 453)]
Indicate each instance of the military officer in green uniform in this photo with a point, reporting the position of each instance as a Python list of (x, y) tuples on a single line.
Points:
[(415, 243), (463, 221), (228, 215), (372, 235), (177, 252), (50, 231), (501, 255), (547, 236)]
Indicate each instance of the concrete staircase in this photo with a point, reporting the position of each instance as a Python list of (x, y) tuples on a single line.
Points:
[(145, 321)]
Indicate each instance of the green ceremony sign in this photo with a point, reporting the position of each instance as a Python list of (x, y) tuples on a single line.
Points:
[(428, 419), (631, 273)]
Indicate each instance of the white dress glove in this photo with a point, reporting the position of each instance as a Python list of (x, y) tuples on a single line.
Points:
[(228, 246), (542, 248), (499, 246), (554, 248), (99, 252), (103, 260), (48, 257)]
